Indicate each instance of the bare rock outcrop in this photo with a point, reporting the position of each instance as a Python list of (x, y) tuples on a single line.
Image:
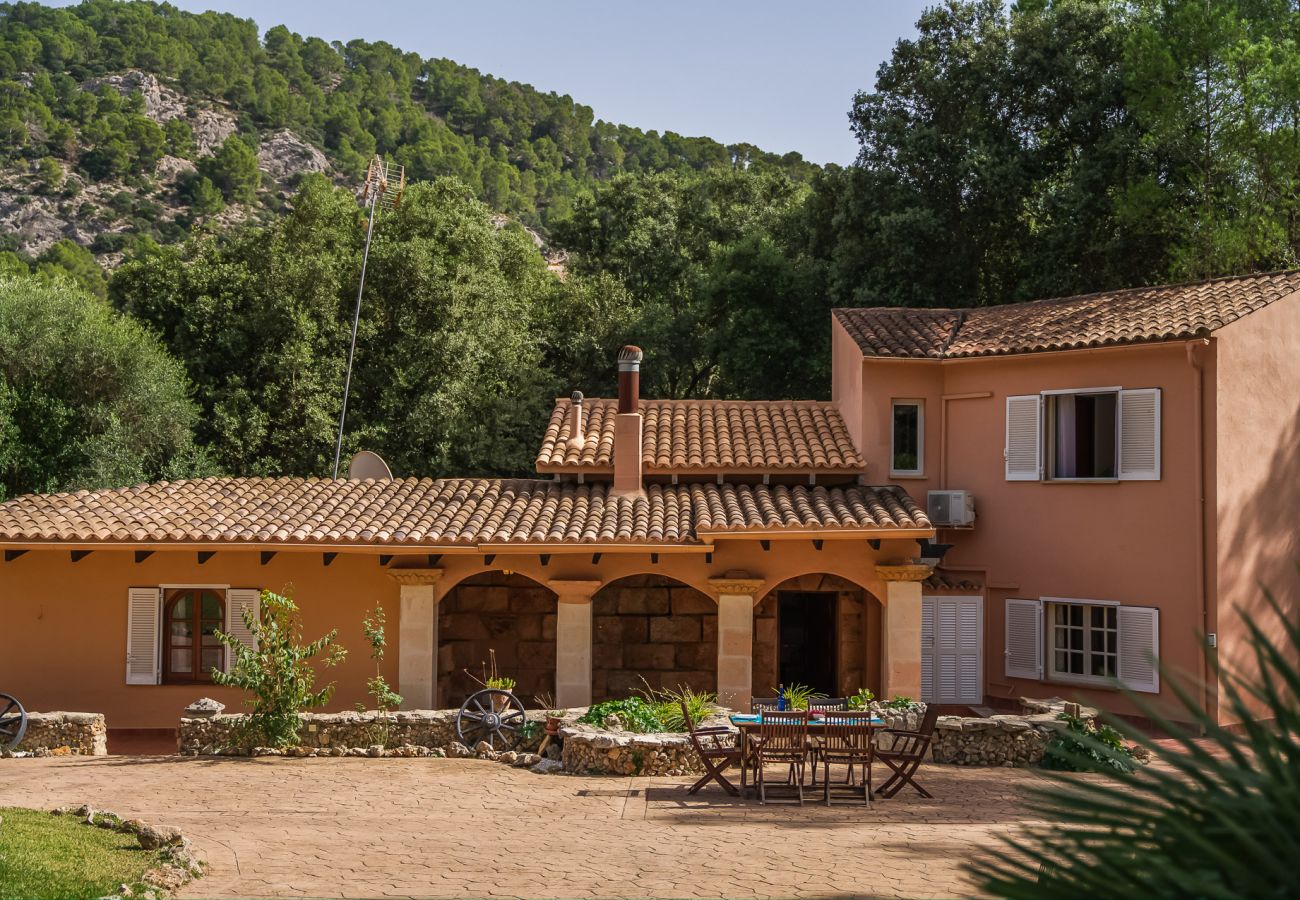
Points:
[(284, 156)]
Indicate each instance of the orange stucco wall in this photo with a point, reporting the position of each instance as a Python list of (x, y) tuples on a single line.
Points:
[(68, 624), (1131, 542), (69, 619), (1257, 451)]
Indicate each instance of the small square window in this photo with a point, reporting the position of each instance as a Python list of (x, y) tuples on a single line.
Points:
[(1082, 435), (1084, 641), (908, 451)]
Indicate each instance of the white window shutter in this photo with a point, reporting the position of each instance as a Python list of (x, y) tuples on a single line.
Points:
[(238, 600), (143, 616), (927, 649), (1139, 648), (1024, 448), (970, 643), (1139, 435), (1024, 650)]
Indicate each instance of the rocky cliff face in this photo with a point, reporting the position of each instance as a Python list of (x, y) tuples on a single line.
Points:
[(35, 214)]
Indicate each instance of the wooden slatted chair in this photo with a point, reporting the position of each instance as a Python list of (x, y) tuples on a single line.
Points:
[(763, 704), (715, 755), (822, 705), (846, 739), (907, 754), (782, 739)]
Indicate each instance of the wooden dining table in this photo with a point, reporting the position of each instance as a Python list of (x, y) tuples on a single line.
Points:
[(748, 726)]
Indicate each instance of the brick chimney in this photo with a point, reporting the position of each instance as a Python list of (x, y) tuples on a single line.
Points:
[(627, 426), (577, 431)]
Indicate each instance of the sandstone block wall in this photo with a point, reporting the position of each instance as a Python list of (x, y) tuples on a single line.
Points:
[(652, 627), (506, 613)]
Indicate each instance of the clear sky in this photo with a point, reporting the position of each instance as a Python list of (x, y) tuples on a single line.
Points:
[(780, 75)]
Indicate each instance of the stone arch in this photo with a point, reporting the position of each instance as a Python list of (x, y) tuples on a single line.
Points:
[(858, 633), (495, 610), (652, 626)]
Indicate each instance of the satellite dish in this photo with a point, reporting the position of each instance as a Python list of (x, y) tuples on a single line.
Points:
[(369, 465)]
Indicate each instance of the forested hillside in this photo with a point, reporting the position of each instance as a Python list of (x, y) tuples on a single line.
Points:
[(1007, 152), (127, 120)]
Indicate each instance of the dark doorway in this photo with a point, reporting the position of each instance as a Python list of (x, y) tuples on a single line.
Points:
[(806, 625)]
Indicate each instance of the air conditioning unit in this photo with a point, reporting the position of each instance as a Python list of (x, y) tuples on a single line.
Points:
[(950, 509)]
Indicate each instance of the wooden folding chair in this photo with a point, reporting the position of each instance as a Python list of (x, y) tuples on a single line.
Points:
[(782, 738), (846, 738), (822, 705), (763, 704), (714, 755), (906, 755)]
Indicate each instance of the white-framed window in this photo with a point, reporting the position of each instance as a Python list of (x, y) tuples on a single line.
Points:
[(1083, 641), (907, 445), (170, 630), (1088, 434)]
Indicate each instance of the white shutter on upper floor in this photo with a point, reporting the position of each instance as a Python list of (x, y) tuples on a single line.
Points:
[(238, 600), (1139, 648), (1024, 649), (1024, 447), (143, 614), (1139, 435)]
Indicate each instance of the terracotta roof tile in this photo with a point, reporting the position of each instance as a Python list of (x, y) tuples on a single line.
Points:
[(428, 512), (1137, 315), (943, 580), (707, 436)]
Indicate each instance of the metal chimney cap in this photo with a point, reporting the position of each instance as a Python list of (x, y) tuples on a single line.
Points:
[(576, 397), (629, 358)]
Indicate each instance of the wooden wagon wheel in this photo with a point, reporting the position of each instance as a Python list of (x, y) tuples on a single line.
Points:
[(491, 715), (13, 722)]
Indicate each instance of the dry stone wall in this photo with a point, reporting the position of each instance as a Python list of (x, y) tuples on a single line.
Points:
[(1007, 740), (74, 733)]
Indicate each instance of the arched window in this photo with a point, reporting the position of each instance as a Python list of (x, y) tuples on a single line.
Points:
[(191, 617)]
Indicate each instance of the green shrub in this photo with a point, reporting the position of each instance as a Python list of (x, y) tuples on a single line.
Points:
[(372, 626), (635, 713), (903, 704), (277, 671), (862, 699), (1085, 746), (1218, 818), (666, 704)]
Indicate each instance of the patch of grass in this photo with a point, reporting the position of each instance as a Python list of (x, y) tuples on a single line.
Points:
[(48, 857)]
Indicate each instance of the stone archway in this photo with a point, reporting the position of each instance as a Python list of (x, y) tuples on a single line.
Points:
[(656, 628), (511, 614), (857, 634)]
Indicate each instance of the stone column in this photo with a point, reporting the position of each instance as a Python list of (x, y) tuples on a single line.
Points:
[(736, 640), (417, 637), (573, 642), (900, 627)]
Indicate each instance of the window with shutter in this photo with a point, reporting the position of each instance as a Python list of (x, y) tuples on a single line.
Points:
[(1023, 451), (1139, 435), (1024, 649), (237, 601), (1139, 648), (143, 610)]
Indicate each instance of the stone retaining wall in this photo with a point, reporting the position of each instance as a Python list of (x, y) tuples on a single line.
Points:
[(593, 751), (338, 733), (1008, 740), (75, 733)]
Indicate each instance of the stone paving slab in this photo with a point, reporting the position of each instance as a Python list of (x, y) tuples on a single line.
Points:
[(442, 828)]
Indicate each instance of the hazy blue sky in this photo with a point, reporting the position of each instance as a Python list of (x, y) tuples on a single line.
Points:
[(777, 74)]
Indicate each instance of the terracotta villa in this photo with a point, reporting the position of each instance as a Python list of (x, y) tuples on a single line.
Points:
[(1030, 499)]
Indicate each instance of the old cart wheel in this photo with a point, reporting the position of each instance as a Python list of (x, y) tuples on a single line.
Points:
[(13, 722), (492, 715)]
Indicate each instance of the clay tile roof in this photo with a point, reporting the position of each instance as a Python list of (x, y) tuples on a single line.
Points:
[(1137, 315), (943, 580), (425, 512), (707, 436)]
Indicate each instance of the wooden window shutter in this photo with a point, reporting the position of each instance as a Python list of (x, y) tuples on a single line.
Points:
[(238, 600), (1139, 647), (970, 640), (1024, 650), (143, 615), (1024, 448), (927, 648), (1139, 435)]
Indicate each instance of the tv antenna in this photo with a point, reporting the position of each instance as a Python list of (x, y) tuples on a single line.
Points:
[(384, 185)]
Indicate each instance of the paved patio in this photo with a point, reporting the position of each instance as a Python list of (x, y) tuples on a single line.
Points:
[(467, 828)]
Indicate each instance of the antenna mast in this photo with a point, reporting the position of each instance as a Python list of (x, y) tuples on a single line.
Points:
[(383, 188)]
